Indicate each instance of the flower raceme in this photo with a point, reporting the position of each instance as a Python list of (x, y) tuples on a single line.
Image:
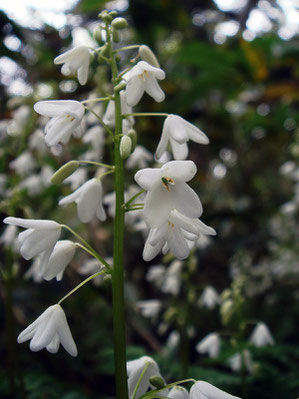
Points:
[(167, 190), (177, 131), (48, 331), (88, 198), (66, 116), (143, 78), (39, 238), (77, 61)]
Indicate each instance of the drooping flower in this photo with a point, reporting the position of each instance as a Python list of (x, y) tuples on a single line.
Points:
[(261, 335), (135, 368), (173, 236), (178, 392), (88, 198), (74, 61), (209, 297), (177, 131), (210, 344), (167, 190), (48, 331), (109, 116), (204, 390), (39, 238), (241, 359), (91, 266), (61, 256), (139, 158), (143, 78), (66, 116), (150, 307), (172, 280), (96, 138), (23, 164)]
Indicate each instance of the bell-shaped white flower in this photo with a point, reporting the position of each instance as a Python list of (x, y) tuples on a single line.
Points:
[(209, 297), (177, 131), (178, 392), (204, 390), (135, 368), (240, 360), (174, 235), (88, 198), (143, 78), (173, 340), (156, 275), (66, 116), (167, 190), (74, 61), (261, 335), (150, 307), (96, 138), (34, 271), (172, 279), (109, 116), (61, 256), (139, 158), (210, 344), (39, 238), (48, 331), (23, 164)]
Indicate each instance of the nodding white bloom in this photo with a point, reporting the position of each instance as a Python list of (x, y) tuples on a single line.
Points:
[(237, 361), (139, 158), (143, 78), (109, 116), (173, 340), (167, 190), (39, 238), (23, 164), (172, 280), (9, 236), (88, 198), (34, 271), (61, 256), (149, 308), (48, 331), (204, 390), (74, 61), (148, 367), (210, 344), (173, 235), (66, 116), (178, 392), (156, 275), (209, 298), (37, 141), (20, 119), (261, 335), (177, 131)]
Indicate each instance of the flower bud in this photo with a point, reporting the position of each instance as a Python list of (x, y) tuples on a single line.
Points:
[(147, 55), (64, 172), (106, 18), (157, 381), (125, 147), (113, 14), (226, 311), (115, 35), (133, 136), (119, 23), (97, 34)]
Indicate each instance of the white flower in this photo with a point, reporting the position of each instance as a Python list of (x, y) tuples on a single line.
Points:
[(20, 120), (236, 361), (96, 138), (156, 275), (134, 370), (23, 164), (149, 308), (167, 190), (9, 236), (178, 392), (173, 340), (37, 141), (39, 238), (34, 272), (66, 117), (210, 344), (173, 235), (139, 158), (209, 297), (88, 198), (48, 331), (261, 335), (172, 280), (204, 390), (75, 60), (61, 256), (109, 116), (177, 131), (143, 78)]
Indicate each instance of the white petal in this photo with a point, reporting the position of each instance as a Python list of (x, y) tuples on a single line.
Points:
[(184, 222), (157, 206), (83, 73), (62, 254), (39, 241), (29, 331), (186, 201), (59, 107), (32, 223), (176, 242), (89, 199), (64, 331), (181, 170), (195, 134), (180, 151), (157, 72), (153, 89), (162, 145), (176, 129), (134, 91), (150, 251), (178, 392), (71, 197), (44, 334), (54, 344), (205, 229), (147, 178), (211, 392)]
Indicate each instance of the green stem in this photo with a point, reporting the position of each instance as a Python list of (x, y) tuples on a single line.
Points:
[(132, 199), (81, 284), (89, 247), (118, 304), (107, 128)]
